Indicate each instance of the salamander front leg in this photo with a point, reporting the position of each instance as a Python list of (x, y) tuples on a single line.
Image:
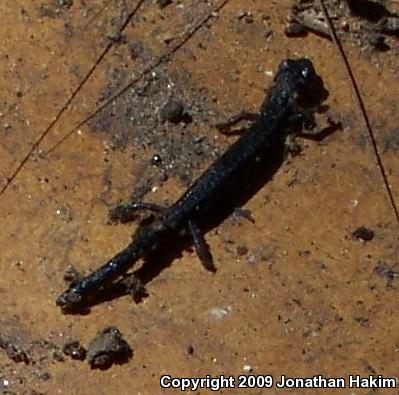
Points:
[(226, 127), (127, 212), (201, 247), (319, 133)]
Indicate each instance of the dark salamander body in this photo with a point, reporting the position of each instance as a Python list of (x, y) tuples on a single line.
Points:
[(292, 85)]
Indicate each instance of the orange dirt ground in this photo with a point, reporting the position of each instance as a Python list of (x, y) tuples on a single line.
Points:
[(304, 299)]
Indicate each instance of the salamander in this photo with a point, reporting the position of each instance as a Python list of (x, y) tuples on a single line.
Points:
[(292, 86)]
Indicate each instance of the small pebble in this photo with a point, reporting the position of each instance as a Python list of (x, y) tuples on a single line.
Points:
[(383, 270), (377, 40), (107, 348), (249, 18), (246, 16), (294, 29), (74, 350), (242, 250), (57, 355), (190, 350), (156, 160), (116, 36), (164, 3), (363, 234), (173, 111), (247, 368), (136, 49), (14, 352), (65, 3), (217, 313), (45, 376)]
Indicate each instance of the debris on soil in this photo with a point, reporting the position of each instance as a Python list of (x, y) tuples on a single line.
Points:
[(217, 313), (136, 49), (13, 351), (121, 213), (136, 120), (31, 392), (107, 348), (65, 3), (44, 376), (242, 250), (390, 141), (295, 29), (377, 40), (386, 271), (246, 16), (173, 111), (74, 350), (315, 24), (135, 288), (240, 212), (116, 36), (164, 3), (389, 26), (156, 160), (372, 10), (364, 22), (55, 8), (57, 356), (190, 350), (304, 18), (363, 234)]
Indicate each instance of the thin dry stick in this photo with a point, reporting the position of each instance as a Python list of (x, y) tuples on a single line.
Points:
[(161, 59), (10, 179), (362, 107)]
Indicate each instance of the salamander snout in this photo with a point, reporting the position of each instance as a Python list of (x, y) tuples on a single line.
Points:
[(297, 73)]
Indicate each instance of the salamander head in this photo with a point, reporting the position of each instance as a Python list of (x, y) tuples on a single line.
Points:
[(296, 74), (297, 79)]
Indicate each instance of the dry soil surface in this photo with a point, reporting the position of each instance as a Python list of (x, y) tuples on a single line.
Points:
[(295, 293)]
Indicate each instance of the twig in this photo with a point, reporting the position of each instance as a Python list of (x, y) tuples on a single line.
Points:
[(362, 107), (10, 179), (313, 24), (161, 59)]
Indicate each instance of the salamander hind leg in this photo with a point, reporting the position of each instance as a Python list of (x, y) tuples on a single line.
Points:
[(201, 247)]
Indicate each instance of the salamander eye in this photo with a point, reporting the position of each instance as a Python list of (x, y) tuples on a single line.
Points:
[(305, 72), (285, 65)]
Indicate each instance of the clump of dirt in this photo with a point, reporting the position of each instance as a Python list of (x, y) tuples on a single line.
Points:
[(173, 111), (29, 358), (54, 8), (390, 141), (387, 272), (164, 3), (363, 234), (74, 350), (14, 351), (107, 348)]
